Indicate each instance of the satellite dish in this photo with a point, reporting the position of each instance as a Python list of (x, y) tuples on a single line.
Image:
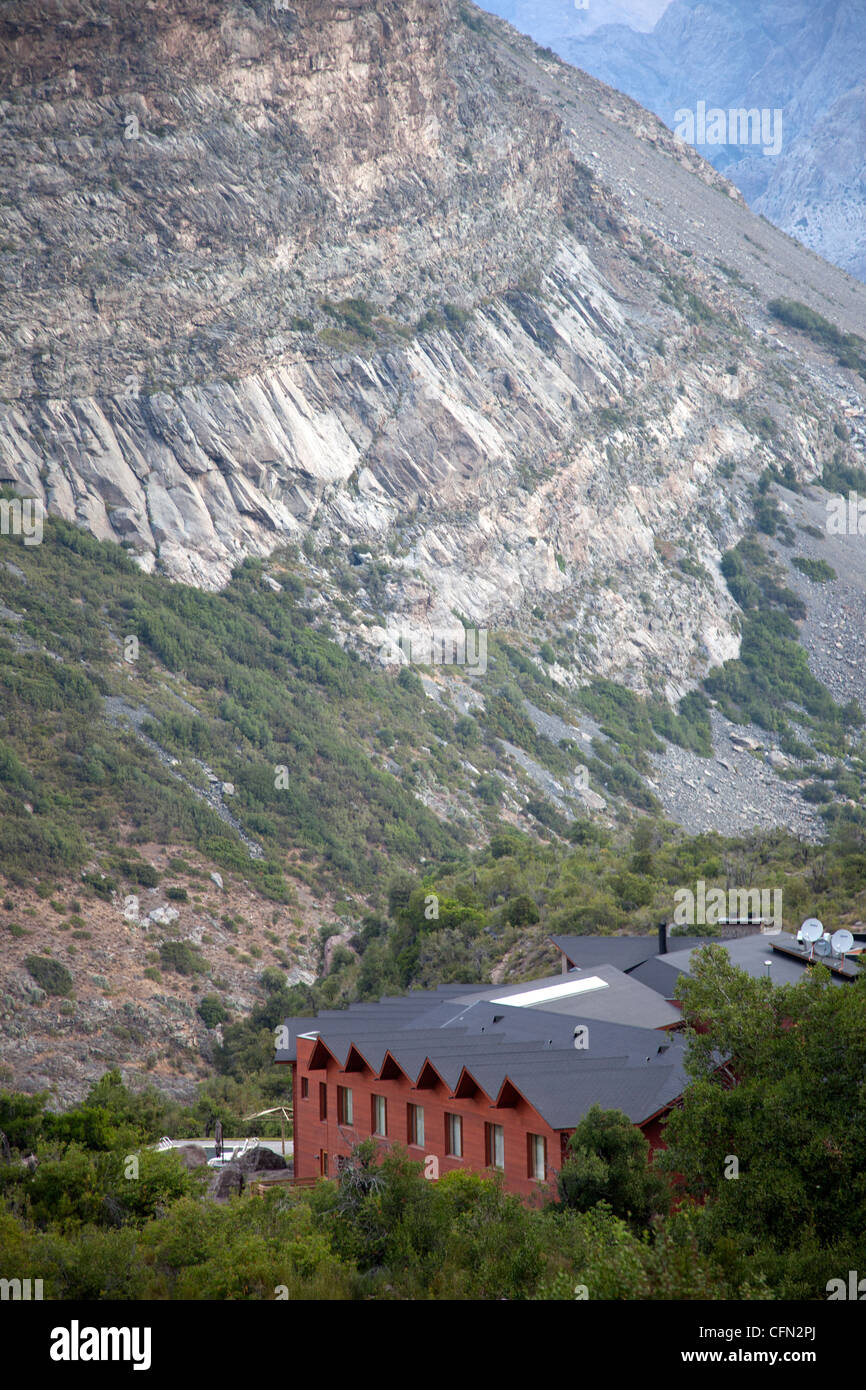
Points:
[(811, 929), (823, 948), (841, 941)]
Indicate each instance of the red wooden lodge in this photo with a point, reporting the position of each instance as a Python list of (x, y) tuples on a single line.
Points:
[(484, 1078)]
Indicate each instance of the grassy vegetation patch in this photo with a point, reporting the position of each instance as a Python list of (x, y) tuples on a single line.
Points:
[(850, 349), (270, 691), (770, 682), (816, 570), (182, 958), (49, 974)]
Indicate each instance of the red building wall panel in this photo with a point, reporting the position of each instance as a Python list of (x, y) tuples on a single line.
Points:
[(314, 1136)]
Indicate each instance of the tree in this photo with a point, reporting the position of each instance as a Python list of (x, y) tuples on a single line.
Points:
[(522, 911), (22, 1118), (781, 1154), (212, 1011), (608, 1162), (399, 892)]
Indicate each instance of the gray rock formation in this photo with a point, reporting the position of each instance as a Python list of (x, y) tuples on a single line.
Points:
[(260, 1160), (192, 1156), (227, 1182), (383, 280)]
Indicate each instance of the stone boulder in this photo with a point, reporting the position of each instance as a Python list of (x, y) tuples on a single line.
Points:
[(227, 1182), (260, 1160), (192, 1156)]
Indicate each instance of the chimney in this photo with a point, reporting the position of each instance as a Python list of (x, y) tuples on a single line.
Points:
[(663, 938)]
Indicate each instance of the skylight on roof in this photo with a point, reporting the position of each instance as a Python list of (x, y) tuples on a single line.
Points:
[(547, 992)]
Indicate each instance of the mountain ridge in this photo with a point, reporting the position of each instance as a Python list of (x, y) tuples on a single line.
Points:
[(352, 322), (805, 62)]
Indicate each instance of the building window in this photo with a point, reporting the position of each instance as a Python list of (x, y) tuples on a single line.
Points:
[(495, 1146), (379, 1118), (345, 1109), (323, 1163), (537, 1156), (416, 1125), (323, 1100), (453, 1136), (305, 1087)]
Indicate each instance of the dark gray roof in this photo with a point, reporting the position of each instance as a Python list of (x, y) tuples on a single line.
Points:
[(625, 1066), (660, 973), (749, 953), (625, 952), (605, 1037), (622, 1000), (562, 1099)]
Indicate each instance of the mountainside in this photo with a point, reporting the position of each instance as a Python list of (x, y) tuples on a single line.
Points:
[(386, 277), (336, 323), (807, 61)]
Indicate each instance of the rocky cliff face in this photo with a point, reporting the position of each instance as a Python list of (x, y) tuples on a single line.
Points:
[(806, 60), (384, 277)]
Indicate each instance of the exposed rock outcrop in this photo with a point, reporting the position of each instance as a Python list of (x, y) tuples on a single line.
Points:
[(261, 1160), (381, 279)]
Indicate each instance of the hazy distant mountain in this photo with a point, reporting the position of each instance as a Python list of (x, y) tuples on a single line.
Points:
[(805, 59), (549, 19)]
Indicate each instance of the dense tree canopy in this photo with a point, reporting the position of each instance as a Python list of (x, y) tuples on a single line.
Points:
[(780, 1157)]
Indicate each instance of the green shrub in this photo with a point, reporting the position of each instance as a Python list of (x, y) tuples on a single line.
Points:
[(272, 979), (522, 911), (693, 568), (181, 957), (49, 974), (355, 314), (850, 349), (410, 680), (489, 789), (816, 570), (816, 792), (212, 1011), (101, 884)]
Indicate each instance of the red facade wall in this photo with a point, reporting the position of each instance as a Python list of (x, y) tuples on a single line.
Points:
[(313, 1136)]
